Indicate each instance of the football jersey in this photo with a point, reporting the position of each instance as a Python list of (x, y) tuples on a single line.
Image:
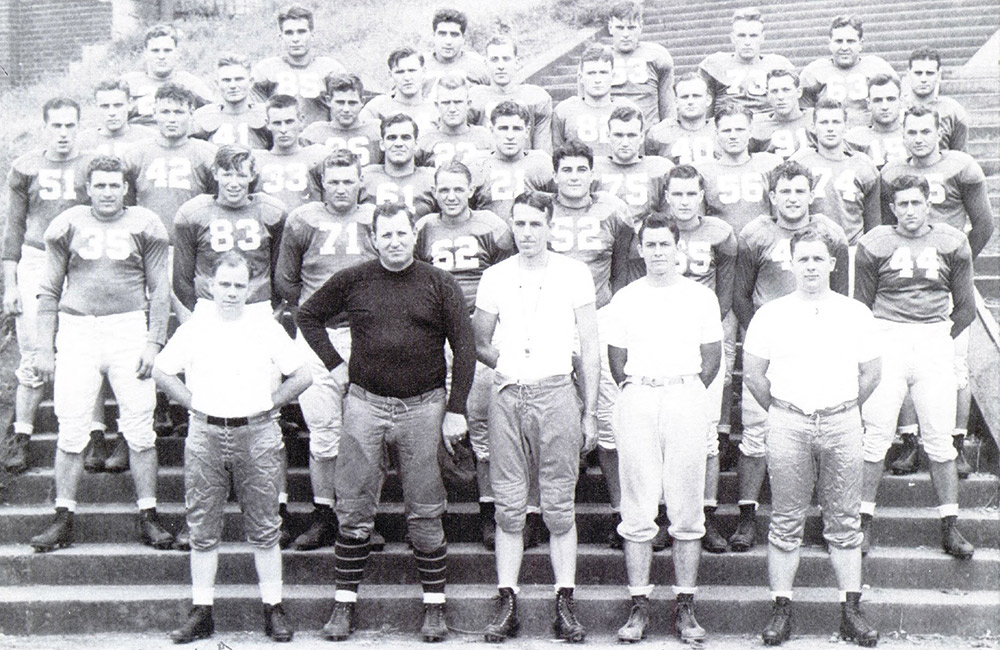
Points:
[(912, 279), (880, 146), (291, 177), (729, 76), (483, 99), (738, 194), (249, 128), (707, 255), (638, 77), (316, 243), (844, 190), (437, 147), (953, 179), (598, 235), (361, 139), (639, 184), (206, 230), (782, 137), (278, 76), (572, 118), (498, 180), (414, 189), (669, 139), (469, 64), (952, 118), (424, 113), (40, 189), (98, 267), (142, 92), (99, 141), (824, 78), (162, 178), (764, 262), (465, 249)]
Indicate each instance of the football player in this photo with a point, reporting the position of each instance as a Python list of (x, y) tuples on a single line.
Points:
[(347, 129), (406, 67), (115, 133), (922, 88), (288, 169), (450, 54), (453, 138), (882, 140), (691, 138), (643, 72), (787, 128), (236, 119), (399, 178)]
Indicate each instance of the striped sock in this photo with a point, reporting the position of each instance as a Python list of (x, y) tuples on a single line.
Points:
[(350, 557), (431, 566)]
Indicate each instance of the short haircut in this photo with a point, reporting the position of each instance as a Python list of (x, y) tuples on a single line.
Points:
[(342, 158), (231, 259), (572, 149), (829, 104), (925, 53), (626, 12), (657, 221), (684, 172), (812, 232), (232, 58), (747, 14), (730, 108), (231, 157), (398, 118), (175, 93), (390, 209), (453, 167), (294, 12), (788, 170), (883, 79), (908, 182), (108, 85), (782, 72), (500, 40), (626, 113), (450, 16), (342, 83), (280, 101), (508, 108), (538, 200), (104, 163), (452, 81), (920, 111), (597, 52), (692, 76), (59, 102), (847, 21), (156, 31), (401, 53)]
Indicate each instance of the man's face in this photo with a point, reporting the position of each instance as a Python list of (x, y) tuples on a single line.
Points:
[(501, 63), (345, 106), (624, 34), (746, 37), (394, 239), (509, 135), (911, 209), (625, 139), (830, 127), (172, 118), (733, 134), (448, 41), (399, 143), (920, 136), (791, 198), (595, 77), (234, 184), (230, 289), (845, 46), (693, 99), (285, 125), (924, 77), (452, 105), (408, 76), (161, 56), (296, 37), (113, 106), (812, 265), (685, 198), (783, 95), (107, 192), (659, 250), (340, 187), (452, 193), (233, 82), (884, 102), (573, 177), (531, 229)]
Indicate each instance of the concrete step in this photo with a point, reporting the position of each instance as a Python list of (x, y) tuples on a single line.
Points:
[(988, 263), (116, 523), (722, 609)]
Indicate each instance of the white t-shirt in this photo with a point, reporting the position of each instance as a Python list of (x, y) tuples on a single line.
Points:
[(814, 348), (663, 327), (230, 367), (536, 309)]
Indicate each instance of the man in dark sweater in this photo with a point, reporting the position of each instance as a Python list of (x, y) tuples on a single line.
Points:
[(400, 312)]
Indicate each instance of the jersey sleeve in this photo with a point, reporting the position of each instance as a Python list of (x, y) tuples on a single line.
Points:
[(810, 83), (744, 281), (329, 301), (155, 253), (17, 214), (541, 132), (840, 278), (288, 272), (963, 291), (57, 254), (185, 249), (458, 331), (866, 268), (725, 272), (558, 128)]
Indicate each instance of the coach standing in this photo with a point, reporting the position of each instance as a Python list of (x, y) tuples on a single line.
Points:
[(400, 312)]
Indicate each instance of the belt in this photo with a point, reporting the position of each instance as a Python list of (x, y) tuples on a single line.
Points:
[(232, 423), (503, 381), (657, 382), (833, 410)]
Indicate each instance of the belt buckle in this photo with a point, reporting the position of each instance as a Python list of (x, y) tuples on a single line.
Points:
[(653, 382)]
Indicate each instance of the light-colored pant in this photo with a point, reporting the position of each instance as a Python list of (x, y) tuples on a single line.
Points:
[(30, 272), (919, 358), (661, 452), (87, 348), (322, 403)]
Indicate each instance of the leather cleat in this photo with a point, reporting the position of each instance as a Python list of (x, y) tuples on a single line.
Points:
[(505, 623), (182, 541), (745, 536), (962, 466), (341, 622), (322, 532), (566, 626), (199, 625), (685, 625), (952, 540), (853, 626), (779, 627), (151, 533), (713, 541), (866, 533), (434, 628), (96, 453), (17, 461), (118, 460), (59, 534), (908, 461), (276, 624), (488, 524), (634, 629)]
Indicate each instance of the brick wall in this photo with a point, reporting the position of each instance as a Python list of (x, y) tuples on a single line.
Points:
[(38, 37)]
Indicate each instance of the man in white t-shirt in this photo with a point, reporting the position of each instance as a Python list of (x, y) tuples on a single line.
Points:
[(663, 364), (810, 359), (230, 359), (543, 301)]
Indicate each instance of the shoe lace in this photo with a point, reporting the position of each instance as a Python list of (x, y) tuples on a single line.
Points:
[(566, 611)]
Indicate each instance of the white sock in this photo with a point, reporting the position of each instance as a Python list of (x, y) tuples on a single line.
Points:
[(98, 426), (948, 510), (323, 501), (283, 498), (781, 594), (641, 590), (268, 564), (513, 588), (21, 427), (204, 564), (69, 504), (684, 590), (434, 598), (146, 503), (345, 596), (867, 508)]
